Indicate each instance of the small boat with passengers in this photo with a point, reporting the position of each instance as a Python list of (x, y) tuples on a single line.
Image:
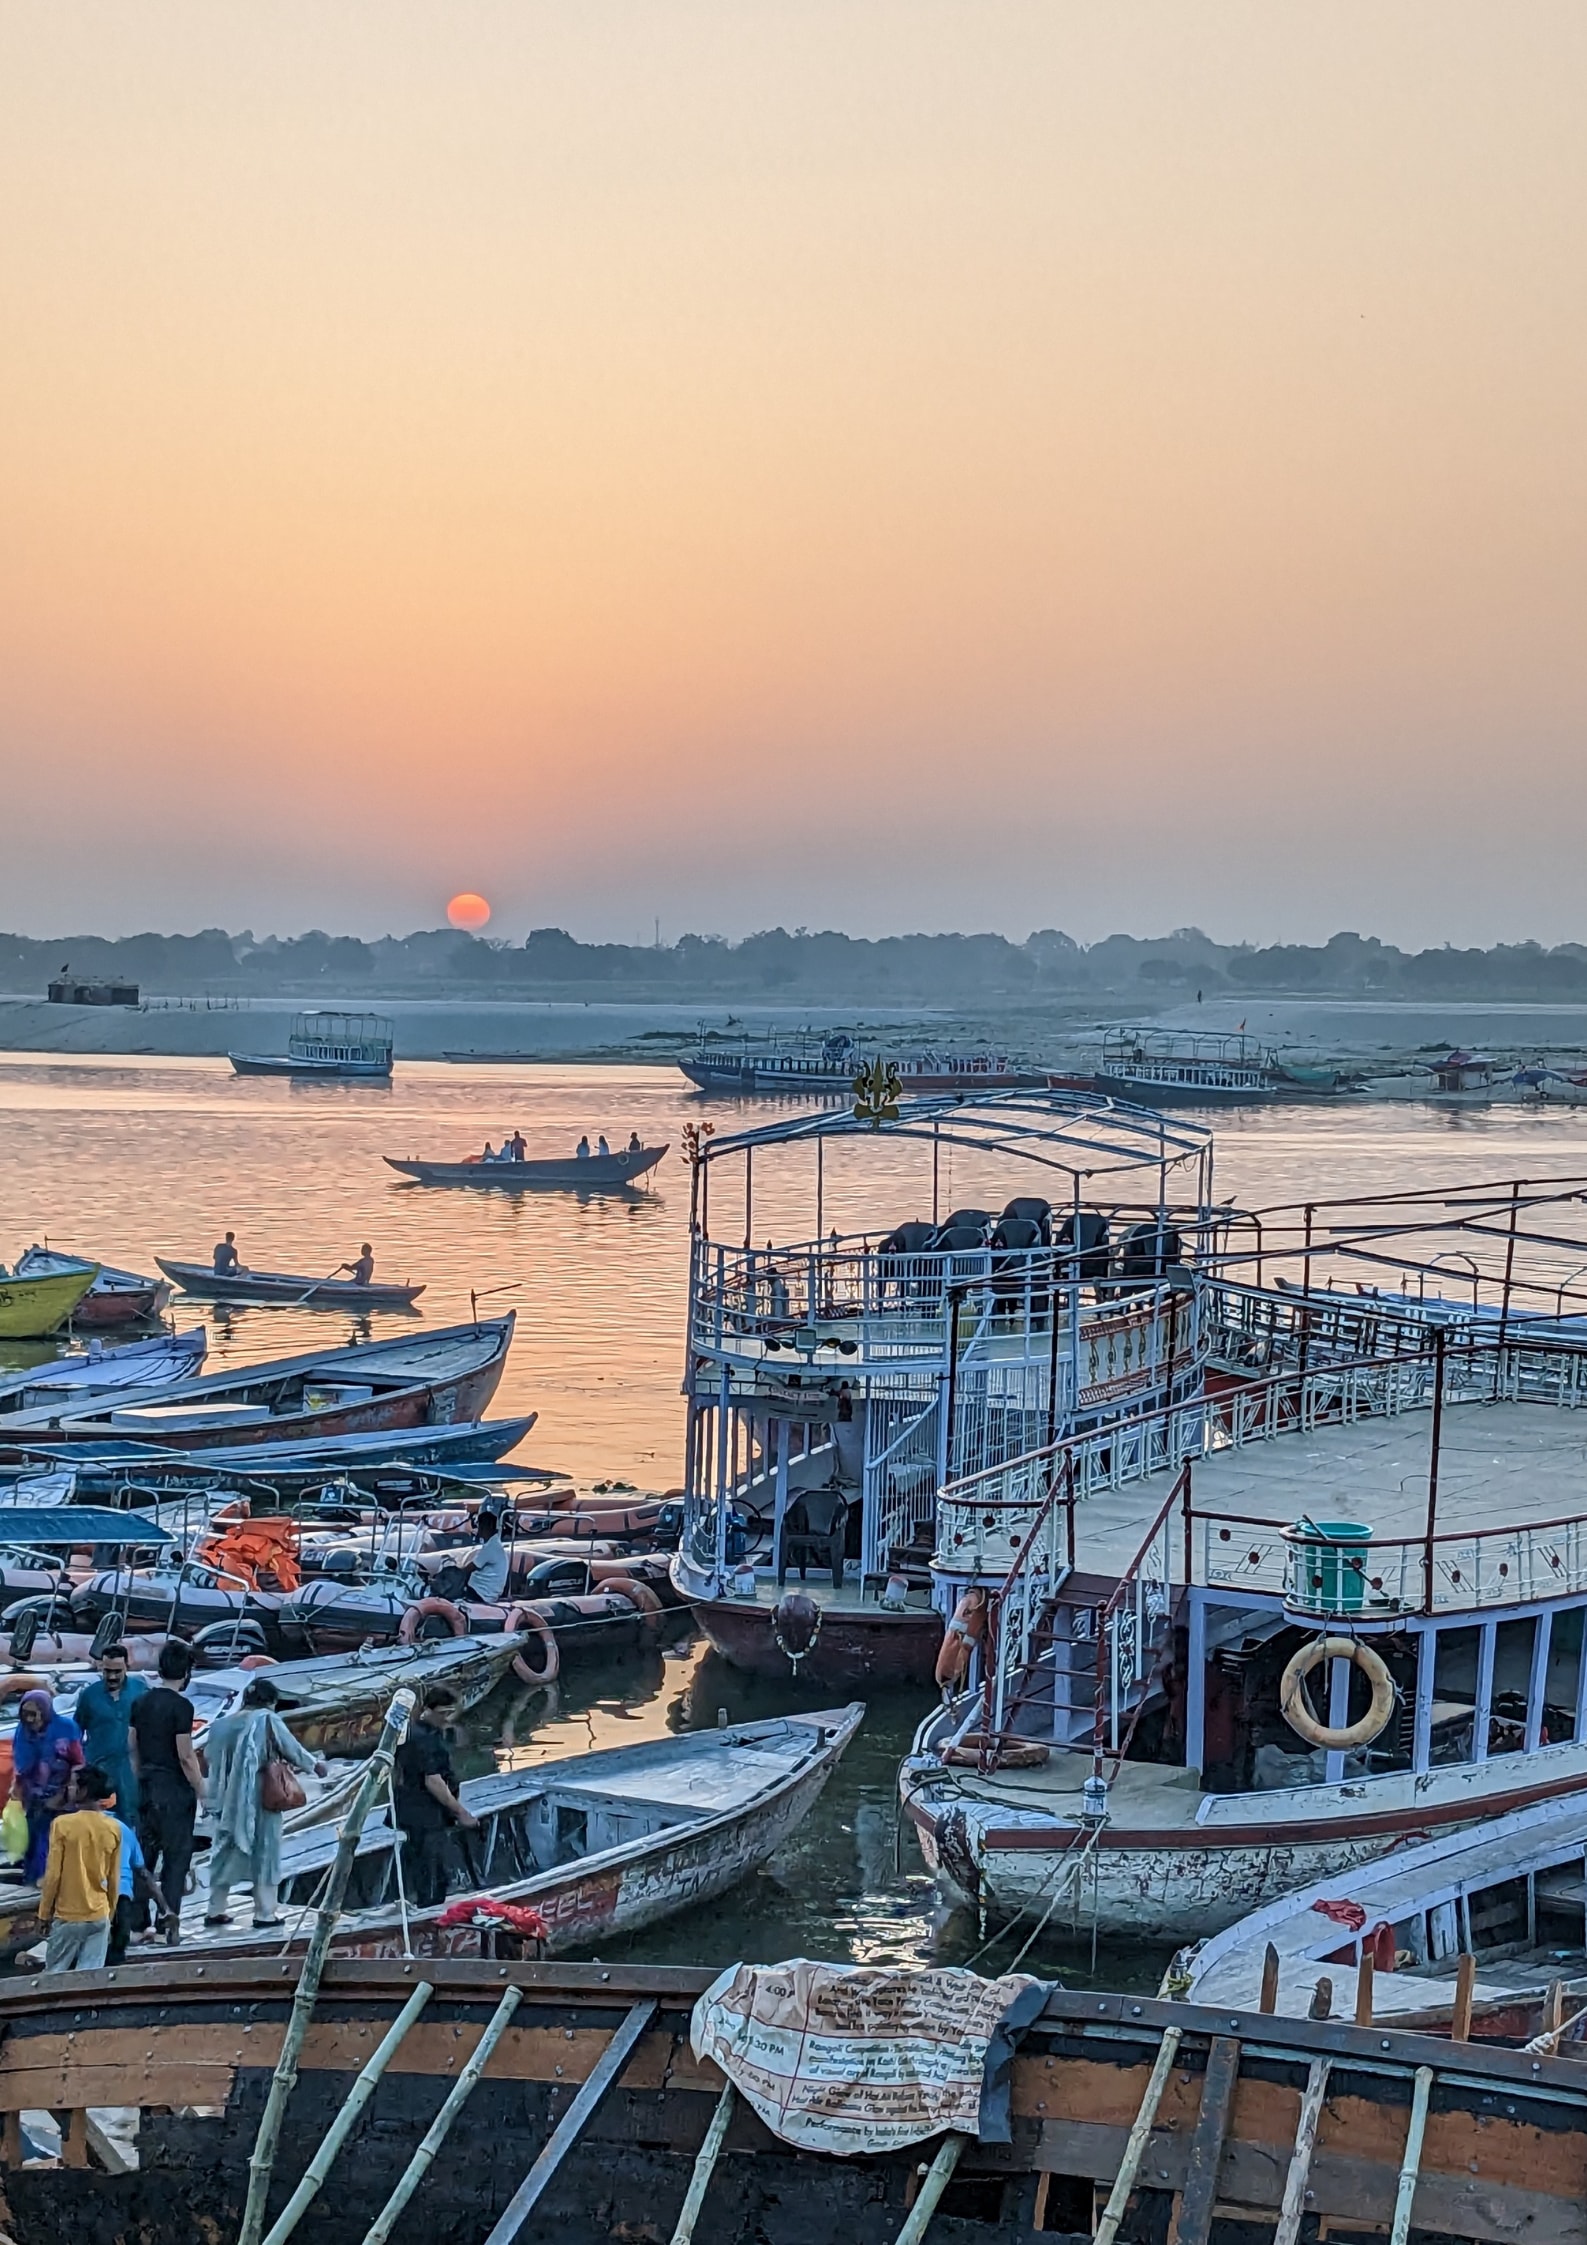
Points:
[(207, 1284), (580, 1172)]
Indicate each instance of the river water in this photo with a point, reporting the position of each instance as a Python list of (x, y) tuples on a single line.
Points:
[(121, 1160)]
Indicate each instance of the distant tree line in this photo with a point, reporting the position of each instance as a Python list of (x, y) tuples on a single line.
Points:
[(776, 966)]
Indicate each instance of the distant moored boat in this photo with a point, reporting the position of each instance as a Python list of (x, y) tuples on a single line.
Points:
[(326, 1044)]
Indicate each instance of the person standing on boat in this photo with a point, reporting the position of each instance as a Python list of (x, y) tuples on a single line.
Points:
[(170, 1779), (227, 1263), (104, 1716), (247, 1850), (519, 1144), (364, 1269), (427, 1806), (634, 1146), (46, 1751)]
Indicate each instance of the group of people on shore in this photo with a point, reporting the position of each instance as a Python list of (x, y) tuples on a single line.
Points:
[(112, 1794)]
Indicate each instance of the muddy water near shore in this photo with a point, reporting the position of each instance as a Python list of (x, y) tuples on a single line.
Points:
[(124, 1159)]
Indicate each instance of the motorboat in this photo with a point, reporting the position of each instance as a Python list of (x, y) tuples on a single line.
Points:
[(208, 1284)]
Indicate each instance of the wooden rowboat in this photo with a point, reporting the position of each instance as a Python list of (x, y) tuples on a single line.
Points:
[(115, 1297), (427, 1380), (1212, 2122), (600, 1844), (592, 1173), (32, 1307), (277, 1286)]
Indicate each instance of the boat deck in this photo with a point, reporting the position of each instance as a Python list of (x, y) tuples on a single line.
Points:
[(1514, 1465)]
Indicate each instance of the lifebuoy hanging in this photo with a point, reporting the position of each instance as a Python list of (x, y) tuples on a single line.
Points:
[(525, 1617), (411, 1629), (962, 1634), (1296, 1708)]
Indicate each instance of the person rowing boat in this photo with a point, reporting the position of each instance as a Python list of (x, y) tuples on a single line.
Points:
[(363, 1270)]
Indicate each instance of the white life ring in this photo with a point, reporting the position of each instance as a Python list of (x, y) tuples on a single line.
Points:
[(1296, 1708)]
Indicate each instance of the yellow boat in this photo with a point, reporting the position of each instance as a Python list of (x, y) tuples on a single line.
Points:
[(31, 1307)]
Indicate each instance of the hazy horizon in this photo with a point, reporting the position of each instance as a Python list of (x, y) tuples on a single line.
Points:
[(934, 466)]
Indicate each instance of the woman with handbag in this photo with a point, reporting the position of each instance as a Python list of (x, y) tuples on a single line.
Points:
[(252, 1760)]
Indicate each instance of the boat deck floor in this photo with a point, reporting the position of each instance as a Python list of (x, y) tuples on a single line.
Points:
[(1500, 1464)]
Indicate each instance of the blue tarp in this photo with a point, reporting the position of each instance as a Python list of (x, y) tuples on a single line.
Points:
[(69, 1524)]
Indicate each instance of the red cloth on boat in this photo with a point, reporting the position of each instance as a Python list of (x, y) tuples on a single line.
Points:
[(484, 1910), (1348, 1914)]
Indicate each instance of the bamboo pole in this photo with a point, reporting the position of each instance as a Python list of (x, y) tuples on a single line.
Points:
[(938, 2176), (704, 2167), (341, 2127), (1410, 2166), (262, 2158), (1292, 2211), (440, 2127), (1141, 2129)]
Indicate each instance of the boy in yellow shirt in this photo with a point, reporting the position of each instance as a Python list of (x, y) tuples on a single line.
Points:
[(81, 1878)]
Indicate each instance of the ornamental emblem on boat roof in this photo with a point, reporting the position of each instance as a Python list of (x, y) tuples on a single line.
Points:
[(877, 1091)]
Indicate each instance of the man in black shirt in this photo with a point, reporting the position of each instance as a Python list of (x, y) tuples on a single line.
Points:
[(170, 1780), (427, 1802)]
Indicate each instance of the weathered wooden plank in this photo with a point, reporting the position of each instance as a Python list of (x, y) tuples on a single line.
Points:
[(554, 2054), (68, 2088), (1193, 2218)]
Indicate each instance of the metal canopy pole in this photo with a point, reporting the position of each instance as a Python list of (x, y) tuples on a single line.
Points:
[(569, 2128)]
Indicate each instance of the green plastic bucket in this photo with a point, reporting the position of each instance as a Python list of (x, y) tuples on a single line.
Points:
[(1328, 1565)]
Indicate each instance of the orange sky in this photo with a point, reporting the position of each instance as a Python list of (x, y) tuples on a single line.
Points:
[(918, 465)]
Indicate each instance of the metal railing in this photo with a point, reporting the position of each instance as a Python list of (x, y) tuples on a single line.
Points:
[(1375, 1577)]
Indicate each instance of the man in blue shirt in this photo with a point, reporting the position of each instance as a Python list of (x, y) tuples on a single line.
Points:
[(104, 1712)]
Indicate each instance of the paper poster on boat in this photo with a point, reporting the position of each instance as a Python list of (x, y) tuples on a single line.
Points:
[(865, 2061)]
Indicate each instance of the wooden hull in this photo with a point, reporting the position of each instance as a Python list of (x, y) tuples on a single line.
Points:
[(1186, 1879), (275, 1286), (446, 1378), (860, 1647), (277, 1064), (1503, 2156), (602, 1173), (675, 1861), (32, 1307)]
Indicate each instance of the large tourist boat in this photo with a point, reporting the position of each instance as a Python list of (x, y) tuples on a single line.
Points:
[(358, 1045), (836, 1380), (1378, 1487), (1170, 1068), (826, 1067)]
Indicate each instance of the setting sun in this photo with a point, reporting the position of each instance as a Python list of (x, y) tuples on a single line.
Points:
[(468, 910)]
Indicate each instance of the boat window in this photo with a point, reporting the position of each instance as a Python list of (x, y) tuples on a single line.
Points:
[(1563, 1696), (1454, 1694), (1512, 1675)]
